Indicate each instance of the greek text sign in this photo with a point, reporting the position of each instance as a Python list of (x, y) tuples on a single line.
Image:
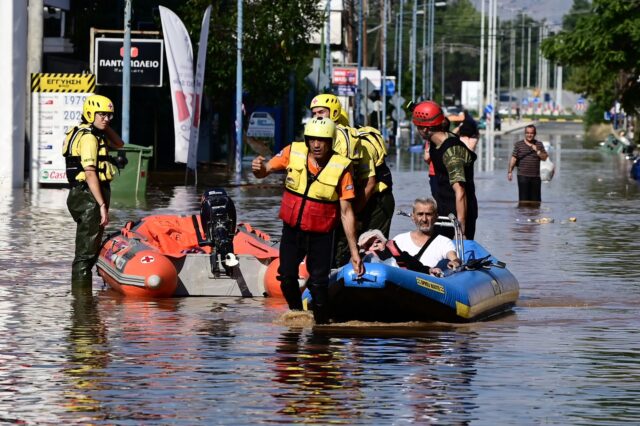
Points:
[(146, 61)]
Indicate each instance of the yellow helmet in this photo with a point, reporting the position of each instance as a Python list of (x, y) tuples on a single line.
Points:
[(328, 101), (96, 103), (343, 119), (320, 127)]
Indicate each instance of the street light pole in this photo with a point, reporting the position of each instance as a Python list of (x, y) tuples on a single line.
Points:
[(432, 20), (383, 87), (414, 39), (399, 70), (483, 86), (413, 44), (424, 50), (442, 73), (239, 35), (327, 67), (491, 75), (529, 56), (512, 65), (356, 119), (126, 71), (522, 62)]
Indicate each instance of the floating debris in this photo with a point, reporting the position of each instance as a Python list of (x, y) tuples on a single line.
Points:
[(542, 220), (573, 219), (296, 319)]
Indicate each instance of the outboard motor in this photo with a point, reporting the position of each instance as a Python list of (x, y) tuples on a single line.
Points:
[(218, 215)]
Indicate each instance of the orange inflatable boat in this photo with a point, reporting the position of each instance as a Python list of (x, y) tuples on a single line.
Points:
[(197, 255)]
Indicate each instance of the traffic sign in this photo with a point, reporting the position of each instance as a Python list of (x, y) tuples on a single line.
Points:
[(390, 85), (399, 112), (397, 100), (317, 77), (367, 87)]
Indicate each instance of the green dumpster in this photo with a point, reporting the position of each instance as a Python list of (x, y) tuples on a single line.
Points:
[(132, 179)]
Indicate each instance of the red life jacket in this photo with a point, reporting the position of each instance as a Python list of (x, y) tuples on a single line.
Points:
[(311, 203)]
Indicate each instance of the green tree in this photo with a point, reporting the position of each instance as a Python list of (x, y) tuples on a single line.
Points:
[(457, 35), (570, 20), (603, 46), (275, 43)]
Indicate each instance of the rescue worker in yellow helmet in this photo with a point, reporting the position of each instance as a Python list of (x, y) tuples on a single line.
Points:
[(89, 171), (318, 194), (375, 204)]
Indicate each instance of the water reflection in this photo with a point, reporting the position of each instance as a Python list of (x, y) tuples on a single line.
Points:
[(87, 353), (313, 372), (347, 375)]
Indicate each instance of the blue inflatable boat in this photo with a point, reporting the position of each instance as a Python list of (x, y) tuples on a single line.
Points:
[(482, 287)]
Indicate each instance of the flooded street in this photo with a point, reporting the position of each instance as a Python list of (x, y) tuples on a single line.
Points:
[(569, 354)]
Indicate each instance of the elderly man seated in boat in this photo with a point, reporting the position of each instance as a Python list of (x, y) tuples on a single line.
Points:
[(420, 250), (375, 248), (423, 244)]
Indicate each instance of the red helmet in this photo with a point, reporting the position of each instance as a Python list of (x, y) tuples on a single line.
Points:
[(428, 114)]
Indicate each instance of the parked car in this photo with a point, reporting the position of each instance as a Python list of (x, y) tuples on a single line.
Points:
[(261, 125), (452, 110)]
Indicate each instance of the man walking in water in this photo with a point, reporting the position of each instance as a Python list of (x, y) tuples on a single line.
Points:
[(526, 156)]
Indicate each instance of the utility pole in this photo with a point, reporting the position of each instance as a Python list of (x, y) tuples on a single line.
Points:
[(432, 19), (559, 87), (512, 66), (522, 61), (239, 35), (442, 46), (424, 50), (499, 36), (327, 58), (356, 119), (491, 62), (383, 87), (126, 71), (34, 65), (365, 46), (529, 56), (399, 71), (396, 32), (414, 40), (544, 64), (483, 86), (539, 73)]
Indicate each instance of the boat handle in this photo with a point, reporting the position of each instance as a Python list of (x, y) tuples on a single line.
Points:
[(364, 277)]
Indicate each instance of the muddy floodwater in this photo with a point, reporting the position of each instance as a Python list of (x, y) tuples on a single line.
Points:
[(568, 354)]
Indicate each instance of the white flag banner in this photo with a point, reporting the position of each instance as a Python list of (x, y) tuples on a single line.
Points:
[(180, 62), (197, 99)]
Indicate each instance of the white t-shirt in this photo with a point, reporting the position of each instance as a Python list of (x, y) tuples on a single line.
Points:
[(436, 251)]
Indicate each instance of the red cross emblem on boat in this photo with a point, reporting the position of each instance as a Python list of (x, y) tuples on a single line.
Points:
[(147, 259)]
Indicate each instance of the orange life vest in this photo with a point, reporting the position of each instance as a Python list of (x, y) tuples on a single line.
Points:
[(311, 203)]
